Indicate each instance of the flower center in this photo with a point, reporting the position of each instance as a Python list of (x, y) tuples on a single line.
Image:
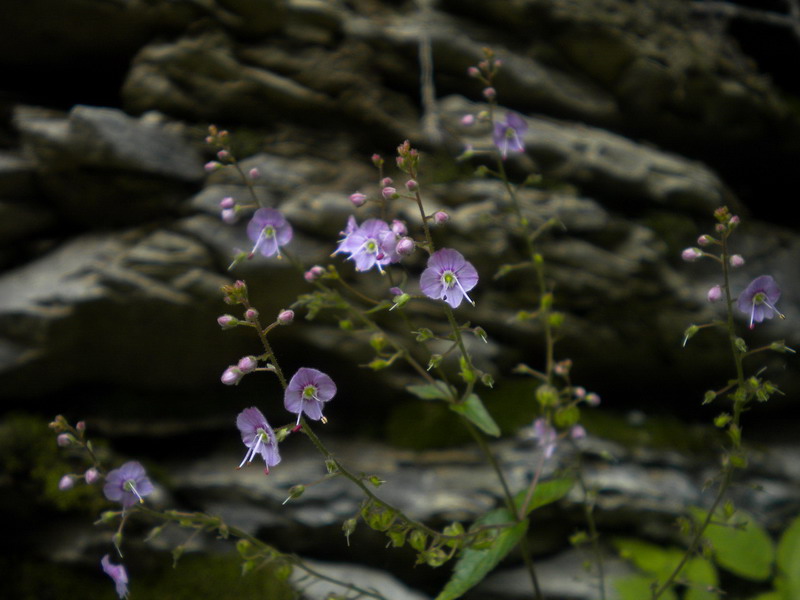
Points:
[(268, 232), (130, 486), (310, 392), (371, 246), (262, 435), (449, 279), (759, 298)]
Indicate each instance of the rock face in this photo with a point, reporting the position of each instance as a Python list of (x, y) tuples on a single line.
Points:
[(642, 118)]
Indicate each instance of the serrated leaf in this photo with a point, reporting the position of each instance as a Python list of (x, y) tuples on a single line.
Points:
[(474, 565), (746, 551), (430, 391), (473, 409), (546, 492), (789, 558)]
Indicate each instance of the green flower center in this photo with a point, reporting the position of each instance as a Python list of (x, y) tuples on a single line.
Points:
[(759, 298), (449, 279), (309, 392)]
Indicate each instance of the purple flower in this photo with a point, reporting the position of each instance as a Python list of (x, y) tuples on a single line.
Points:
[(371, 244), (259, 438), (128, 484), (307, 391), (546, 436), (759, 298), (507, 135), (268, 230), (118, 574), (448, 277)]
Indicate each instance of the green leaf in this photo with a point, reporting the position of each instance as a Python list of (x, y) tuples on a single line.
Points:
[(789, 558), (473, 409), (638, 587), (430, 391), (650, 558), (546, 492), (473, 565), (700, 575), (739, 544)]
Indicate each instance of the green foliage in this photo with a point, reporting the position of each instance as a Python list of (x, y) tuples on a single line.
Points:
[(659, 563), (473, 565), (474, 411), (739, 544), (546, 492), (789, 561)]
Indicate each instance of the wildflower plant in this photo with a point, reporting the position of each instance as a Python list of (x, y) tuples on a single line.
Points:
[(408, 266)]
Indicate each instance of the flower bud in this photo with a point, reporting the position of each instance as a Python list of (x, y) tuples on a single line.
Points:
[(577, 432), (314, 273), (251, 314), (386, 181), (489, 93), (212, 166), (66, 483), (358, 199), (223, 155), (389, 192), (377, 160), (285, 317), (704, 240), (412, 185), (227, 202), (714, 294), (91, 476), (473, 72), (467, 120), (227, 321), (254, 173), (736, 260), (399, 228), (247, 364), (440, 217), (691, 254), (229, 216), (64, 439), (405, 246), (80, 426), (231, 375)]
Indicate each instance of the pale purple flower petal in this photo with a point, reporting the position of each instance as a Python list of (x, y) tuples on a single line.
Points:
[(507, 135), (268, 230), (118, 574), (371, 244), (307, 392), (259, 438), (448, 277), (128, 484), (758, 300)]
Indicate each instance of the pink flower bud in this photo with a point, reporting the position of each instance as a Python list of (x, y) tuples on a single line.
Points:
[(389, 192), (734, 221), (691, 254), (704, 240), (223, 155), (251, 314), (736, 260), (66, 483), (714, 294), (592, 399), (80, 426), (229, 216), (212, 166), (411, 185), (399, 228), (91, 476), (231, 375), (377, 160), (405, 246), (467, 120), (577, 432), (247, 364), (314, 273), (227, 321), (386, 181), (440, 217), (254, 173), (285, 317), (64, 439), (227, 202), (473, 72), (358, 199), (489, 93)]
